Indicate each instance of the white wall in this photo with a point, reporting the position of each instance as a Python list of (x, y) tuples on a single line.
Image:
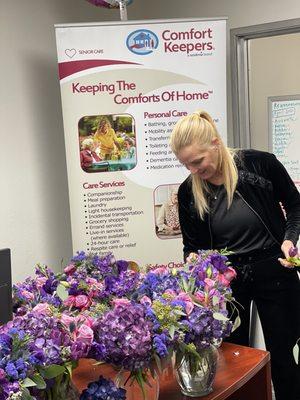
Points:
[(34, 209)]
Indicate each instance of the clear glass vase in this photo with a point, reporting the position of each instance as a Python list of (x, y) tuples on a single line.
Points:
[(59, 388), (195, 375), (134, 391)]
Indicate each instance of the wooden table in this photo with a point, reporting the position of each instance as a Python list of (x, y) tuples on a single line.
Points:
[(243, 374)]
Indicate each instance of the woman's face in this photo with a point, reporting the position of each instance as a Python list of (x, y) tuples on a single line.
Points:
[(104, 128), (201, 160), (90, 146)]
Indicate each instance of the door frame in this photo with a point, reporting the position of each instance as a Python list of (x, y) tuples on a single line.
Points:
[(239, 72)]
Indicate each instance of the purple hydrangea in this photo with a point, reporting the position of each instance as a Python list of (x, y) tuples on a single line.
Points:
[(121, 285), (123, 337), (103, 389)]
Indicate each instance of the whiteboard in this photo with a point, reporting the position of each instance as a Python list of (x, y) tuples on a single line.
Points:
[(284, 133)]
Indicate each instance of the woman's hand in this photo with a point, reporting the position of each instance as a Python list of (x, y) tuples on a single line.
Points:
[(286, 246)]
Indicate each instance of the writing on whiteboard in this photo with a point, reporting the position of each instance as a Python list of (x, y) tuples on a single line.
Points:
[(285, 133)]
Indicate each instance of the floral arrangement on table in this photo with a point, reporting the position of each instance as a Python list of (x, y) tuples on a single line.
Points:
[(108, 310)]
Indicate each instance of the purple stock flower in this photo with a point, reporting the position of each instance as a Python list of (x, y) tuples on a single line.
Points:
[(79, 257), (161, 343), (219, 262), (154, 285)]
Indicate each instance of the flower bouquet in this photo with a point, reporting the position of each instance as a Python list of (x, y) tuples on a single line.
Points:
[(188, 310), (294, 257), (108, 310)]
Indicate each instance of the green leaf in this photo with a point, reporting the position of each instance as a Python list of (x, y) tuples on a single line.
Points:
[(62, 292), (52, 371), (215, 300), (25, 395), (39, 381), (296, 353), (192, 284), (140, 380), (179, 312), (219, 316), (178, 358), (158, 362), (152, 370), (225, 252), (236, 324), (172, 331), (69, 367), (185, 285), (28, 383)]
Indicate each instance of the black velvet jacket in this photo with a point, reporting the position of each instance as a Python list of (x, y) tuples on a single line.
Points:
[(263, 182)]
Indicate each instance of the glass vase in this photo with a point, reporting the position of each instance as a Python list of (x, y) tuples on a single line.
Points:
[(134, 391), (195, 375), (59, 388)]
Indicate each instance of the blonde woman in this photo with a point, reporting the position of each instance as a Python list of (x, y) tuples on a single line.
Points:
[(106, 138), (232, 199)]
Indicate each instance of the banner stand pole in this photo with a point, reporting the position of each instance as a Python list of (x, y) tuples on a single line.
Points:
[(123, 10)]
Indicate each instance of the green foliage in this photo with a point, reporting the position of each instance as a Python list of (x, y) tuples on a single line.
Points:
[(220, 316), (167, 315), (62, 292), (188, 286), (25, 395), (295, 261), (52, 371)]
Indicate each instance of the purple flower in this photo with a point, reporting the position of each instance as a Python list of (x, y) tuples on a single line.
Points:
[(219, 262), (123, 337), (160, 343), (154, 285), (293, 251), (103, 389), (122, 265), (79, 257)]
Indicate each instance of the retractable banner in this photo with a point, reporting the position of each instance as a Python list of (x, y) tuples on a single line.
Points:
[(124, 85)]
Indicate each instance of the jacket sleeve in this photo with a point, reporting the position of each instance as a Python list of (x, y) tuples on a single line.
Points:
[(194, 230), (286, 193)]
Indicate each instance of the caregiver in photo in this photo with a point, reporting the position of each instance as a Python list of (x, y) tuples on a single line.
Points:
[(233, 199)]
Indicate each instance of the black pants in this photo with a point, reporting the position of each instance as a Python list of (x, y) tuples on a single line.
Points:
[(276, 293)]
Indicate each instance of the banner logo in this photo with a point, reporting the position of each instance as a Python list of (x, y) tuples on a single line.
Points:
[(70, 53), (142, 42)]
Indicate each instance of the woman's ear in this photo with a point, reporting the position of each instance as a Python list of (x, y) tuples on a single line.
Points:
[(215, 142)]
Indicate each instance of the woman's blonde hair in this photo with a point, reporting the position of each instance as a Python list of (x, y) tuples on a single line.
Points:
[(102, 123), (199, 128)]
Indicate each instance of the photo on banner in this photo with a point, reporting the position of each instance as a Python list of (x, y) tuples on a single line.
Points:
[(107, 143), (166, 212)]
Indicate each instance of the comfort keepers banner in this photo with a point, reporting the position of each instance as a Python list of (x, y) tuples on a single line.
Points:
[(123, 88)]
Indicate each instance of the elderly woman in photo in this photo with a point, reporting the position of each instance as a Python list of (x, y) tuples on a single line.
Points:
[(168, 220), (232, 199), (88, 156)]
